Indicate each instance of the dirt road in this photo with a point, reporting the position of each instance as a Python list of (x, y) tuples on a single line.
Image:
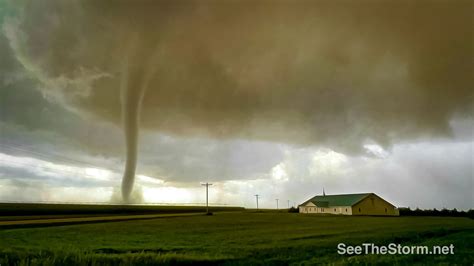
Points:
[(80, 220)]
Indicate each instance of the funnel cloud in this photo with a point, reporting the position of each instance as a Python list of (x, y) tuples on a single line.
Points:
[(335, 74), (134, 84)]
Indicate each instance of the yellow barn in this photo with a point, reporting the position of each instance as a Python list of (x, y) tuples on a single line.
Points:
[(349, 204)]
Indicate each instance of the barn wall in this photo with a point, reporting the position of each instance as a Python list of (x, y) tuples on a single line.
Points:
[(374, 205), (308, 208), (311, 208)]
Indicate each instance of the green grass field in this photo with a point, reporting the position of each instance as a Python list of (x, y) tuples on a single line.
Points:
[(239, 238)]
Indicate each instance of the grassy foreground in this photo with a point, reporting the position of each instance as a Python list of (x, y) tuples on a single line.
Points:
[(240, 238)]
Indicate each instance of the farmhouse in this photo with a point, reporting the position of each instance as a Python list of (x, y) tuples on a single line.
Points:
[(349, 204)]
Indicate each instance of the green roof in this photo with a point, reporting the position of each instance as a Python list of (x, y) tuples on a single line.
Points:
[(337, 200)]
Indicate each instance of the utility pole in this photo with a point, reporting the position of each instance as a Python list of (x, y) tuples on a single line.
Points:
[(207, 195), (256, 196), (288, 204), (277, 203)]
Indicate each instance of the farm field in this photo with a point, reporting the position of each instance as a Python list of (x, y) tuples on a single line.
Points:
[(42, 209), (14, 215), (237, 238)]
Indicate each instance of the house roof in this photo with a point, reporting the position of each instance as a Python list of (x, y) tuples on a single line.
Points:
[(337, 200)]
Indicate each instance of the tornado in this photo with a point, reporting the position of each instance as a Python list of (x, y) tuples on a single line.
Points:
[(133, 86)]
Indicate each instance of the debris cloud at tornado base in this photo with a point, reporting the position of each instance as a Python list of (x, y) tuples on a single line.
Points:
[(332, 74)]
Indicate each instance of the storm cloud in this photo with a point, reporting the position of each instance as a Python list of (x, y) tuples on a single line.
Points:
[(330, 74)]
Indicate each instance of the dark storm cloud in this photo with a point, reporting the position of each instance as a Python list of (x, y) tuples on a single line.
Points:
[(333, 73), (29, 119)]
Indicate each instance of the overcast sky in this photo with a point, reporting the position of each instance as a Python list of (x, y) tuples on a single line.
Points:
[(280, 99)]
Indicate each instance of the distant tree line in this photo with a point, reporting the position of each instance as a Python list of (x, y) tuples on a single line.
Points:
[(435, 212), (430, 212), (293, 209)]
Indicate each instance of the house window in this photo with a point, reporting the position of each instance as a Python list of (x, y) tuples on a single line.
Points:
[(359, 209), (385, 210), (322, 210), (346, 209), (334, 210)]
